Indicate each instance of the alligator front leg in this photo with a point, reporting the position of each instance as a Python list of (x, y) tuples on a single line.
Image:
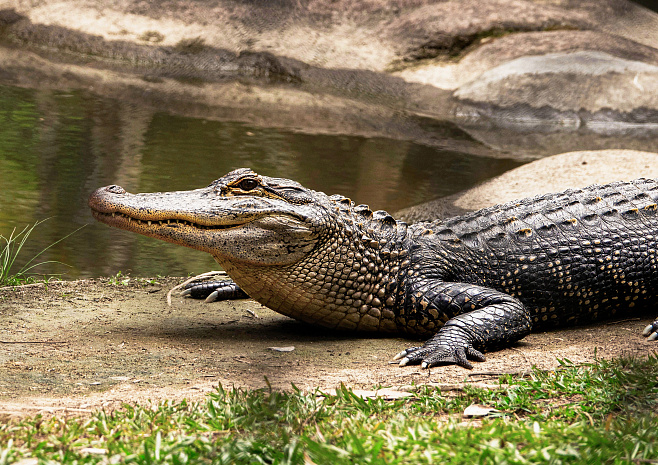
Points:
[(479, 319), (213, 291)]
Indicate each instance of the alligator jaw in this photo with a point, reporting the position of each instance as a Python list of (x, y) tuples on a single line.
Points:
[(141, 213), (150, 226), (169, 230)]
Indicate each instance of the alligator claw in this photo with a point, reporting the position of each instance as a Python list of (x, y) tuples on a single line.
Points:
[(212, 291), (212, 297), (459, 356), (651, 331), (404, 354), (429, 356)]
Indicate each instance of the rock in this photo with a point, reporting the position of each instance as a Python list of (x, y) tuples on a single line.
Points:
[(478, 410), (449, 29), (495, 51), (513, 63), (551, 174), (567, 90)]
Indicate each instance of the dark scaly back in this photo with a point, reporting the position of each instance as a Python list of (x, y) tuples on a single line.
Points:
[(565, 256), (377, 226)]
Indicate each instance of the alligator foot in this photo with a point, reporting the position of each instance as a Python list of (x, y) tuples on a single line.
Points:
[(215, 290), (442, 349), (429, 357), (651, 331)]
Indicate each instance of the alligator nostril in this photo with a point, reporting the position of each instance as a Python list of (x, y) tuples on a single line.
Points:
[(115, 189)]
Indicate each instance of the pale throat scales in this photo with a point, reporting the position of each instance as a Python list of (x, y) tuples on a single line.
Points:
[(343, 283)]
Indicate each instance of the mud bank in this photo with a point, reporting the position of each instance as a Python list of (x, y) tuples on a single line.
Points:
[(99, 343)]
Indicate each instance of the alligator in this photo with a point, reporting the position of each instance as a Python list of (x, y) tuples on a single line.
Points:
[(473, 283)]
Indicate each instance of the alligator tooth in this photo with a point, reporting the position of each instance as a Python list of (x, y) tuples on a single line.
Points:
[(112, 214), (149, 223)]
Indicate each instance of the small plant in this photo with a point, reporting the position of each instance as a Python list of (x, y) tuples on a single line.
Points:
[(10, 248), (120, 279), (123, 279)]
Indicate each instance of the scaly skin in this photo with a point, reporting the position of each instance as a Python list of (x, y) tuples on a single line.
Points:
[(473, 283)]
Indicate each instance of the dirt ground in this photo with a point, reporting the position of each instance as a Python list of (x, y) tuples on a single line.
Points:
[(80, 345)]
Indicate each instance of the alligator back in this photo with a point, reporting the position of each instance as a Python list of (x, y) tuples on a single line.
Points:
[(577, 256)]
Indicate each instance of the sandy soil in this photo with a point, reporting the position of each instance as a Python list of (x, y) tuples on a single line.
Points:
[(77, 346)]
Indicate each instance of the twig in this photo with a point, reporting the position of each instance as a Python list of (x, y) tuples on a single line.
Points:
[(4, 408), (192, 279), (496, 373), (462, 386), (454, 386), (524, 356), (591, 420), (622, 321), (22, 286), (34, 342), (252, 313)]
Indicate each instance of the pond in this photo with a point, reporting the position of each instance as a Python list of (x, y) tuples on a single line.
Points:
[(56, 147)]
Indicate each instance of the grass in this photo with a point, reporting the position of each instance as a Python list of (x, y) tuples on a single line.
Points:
[(10, 249), (604, 412)]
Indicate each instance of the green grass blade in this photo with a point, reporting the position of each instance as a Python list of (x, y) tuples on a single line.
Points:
[(12, 248), (24, 268)]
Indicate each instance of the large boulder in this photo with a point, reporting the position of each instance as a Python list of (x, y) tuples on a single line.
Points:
[(562, 90), (551, 174), (554, 66)]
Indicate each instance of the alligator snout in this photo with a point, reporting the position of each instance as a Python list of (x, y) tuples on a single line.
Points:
[(98, 199), (115, 189)]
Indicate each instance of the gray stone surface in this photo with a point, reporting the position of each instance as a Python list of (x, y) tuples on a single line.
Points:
[(551, 174), (582, 88), (554, 65)]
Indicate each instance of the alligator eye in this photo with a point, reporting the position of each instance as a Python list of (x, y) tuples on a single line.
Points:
[(248, 184)]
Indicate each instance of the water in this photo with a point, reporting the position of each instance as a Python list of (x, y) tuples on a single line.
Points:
[(57, 147)]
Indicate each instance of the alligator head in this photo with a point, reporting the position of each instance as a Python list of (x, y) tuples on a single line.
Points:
[(241, 217), (294, 250)]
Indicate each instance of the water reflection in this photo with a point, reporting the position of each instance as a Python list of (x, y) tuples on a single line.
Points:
[(57, 147)]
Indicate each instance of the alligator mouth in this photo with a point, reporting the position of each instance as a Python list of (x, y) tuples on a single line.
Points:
[(227, 227), (124, 221)]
